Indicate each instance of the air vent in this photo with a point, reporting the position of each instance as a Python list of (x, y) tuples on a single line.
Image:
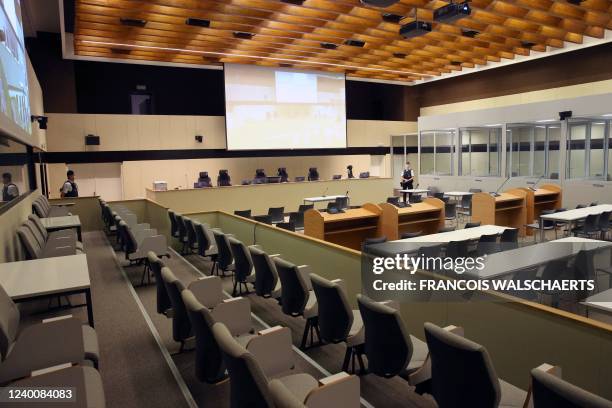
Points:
[(355, 43), (294, 2), (242, 35), (197, 22), (469, 33), (133, 22), (399, 55), (392, 18), (329, 46)]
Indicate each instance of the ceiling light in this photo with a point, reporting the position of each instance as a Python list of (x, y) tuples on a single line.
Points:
[(392, 18), (494, 125), (329, 46), (452, 12), (469, 33), (294, 2), (379, 3), (415, 29), (546, 120), (197, 22), (527, 44), (133, 22), (243, 36), (232, 55), (355, 43), (399, 55)]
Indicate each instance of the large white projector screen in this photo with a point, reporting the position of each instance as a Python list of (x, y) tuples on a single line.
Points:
[(278, 108)]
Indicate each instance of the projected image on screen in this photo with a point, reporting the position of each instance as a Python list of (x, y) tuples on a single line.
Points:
[(14, 99), (277, 108)]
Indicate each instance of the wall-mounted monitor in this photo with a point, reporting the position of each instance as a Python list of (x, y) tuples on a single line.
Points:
[(15, 118), (283, 108)]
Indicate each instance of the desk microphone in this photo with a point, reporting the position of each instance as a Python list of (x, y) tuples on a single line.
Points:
[(325, 192), (496, 193), (533, 188)]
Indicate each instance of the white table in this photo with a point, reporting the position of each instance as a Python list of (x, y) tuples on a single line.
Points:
[(42, 278), (61, 223), (321, 199), (507, 262), (457, 194), (571, 216), (601, 301)]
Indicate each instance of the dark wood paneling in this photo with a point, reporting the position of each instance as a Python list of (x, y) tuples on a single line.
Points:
[(571, 68)]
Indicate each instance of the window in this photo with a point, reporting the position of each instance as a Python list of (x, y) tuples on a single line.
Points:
[(532, 150), (480, 151), (436, 151), (588, 149)]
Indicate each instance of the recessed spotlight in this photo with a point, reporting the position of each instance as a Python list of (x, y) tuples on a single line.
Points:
[(392, 18), (379, 3), (294, 2), (527, 44), (243, 35), (399, 55), (452, 12), (575, 2), (197, 22), (329, 46), (469, 33), (414, 29), (456, 63), (355, 43), (133, 22)]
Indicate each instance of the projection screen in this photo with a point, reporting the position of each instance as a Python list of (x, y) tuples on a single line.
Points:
[(279, 108)]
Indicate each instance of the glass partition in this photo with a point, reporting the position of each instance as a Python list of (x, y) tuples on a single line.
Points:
[(480, 154), (437, 151), (14, 170), (588, 147), (532, 150)]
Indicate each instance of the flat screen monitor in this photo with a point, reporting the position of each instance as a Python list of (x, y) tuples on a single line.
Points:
[(283, 108)]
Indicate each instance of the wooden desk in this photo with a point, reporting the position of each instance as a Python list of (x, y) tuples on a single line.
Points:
[(547, 197), (427, 216), (508, 210), (348, 229)]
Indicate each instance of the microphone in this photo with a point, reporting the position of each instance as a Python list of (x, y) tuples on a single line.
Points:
[(417, 186), (325, 192), (496, 193), (533, 188)]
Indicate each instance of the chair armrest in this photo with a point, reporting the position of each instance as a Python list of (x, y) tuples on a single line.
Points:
[(337, 390), (550, 369), (393, 304), (273, 349), (256, 246), (305, 271), (44, 345), (235, 313), (274, 255), (208, 290), (341, 283)]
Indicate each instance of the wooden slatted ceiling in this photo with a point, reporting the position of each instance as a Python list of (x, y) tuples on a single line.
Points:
[(290, 34)]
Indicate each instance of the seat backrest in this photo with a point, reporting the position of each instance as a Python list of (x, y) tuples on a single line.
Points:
[(297, 218), (38, 209), (29, 242), (461, 370), (450, 210), (182, 228), (266, 276), (248, 382), (294, 290), (242, 259), (277, 214), (387, 342), (335, 313), (36, 233), (509, 239), (604, 220), (305, 207), (591, 222), (129, 240), (173, 224), (472, 224), (289, 226), (225, 257), (209, 365), (415, 199), (243, 213), (9, 322), (266, 219), (457, 249), (411, 234), (550, 391), (342, 202), (372, 241), (181, 326), (39, 226), (191, 233), (393, 200), (203, 238), (163, 300)]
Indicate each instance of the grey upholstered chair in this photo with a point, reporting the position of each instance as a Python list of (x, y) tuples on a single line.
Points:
[(243, 271), (267, 283), (174, 232), (391, 350), (162, 298), (338, 322), (225, 258), (260, 374), (234, 313), (298, 298), (52, 342), (207, 246), (192, 241), (549, 390), (462, 373), (181, 326), (182, 232), (277, 214), (34, 250)]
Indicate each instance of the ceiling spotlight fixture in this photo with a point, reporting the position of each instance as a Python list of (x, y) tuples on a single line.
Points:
[(379, 3), (329, 46), (414, 29), (133, 22), (197, 22), (355, 43), (392, 18), (575, 2), (456, 63), (469, 33), (527, 44), (452, 12), (294, 2), (242, 35), (399, 55)]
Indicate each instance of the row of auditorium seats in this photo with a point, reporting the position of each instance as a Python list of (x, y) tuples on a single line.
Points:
[(276, 216), (43, 208), (376, 330), (39, 243)]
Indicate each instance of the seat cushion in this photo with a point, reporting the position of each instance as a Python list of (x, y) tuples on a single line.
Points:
[(311, 309), (511, 396), (90, 344), (356, 334), (299, 384)]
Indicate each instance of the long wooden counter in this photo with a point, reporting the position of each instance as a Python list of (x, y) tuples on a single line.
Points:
[(348, 229), (427, 217), (507, 210)]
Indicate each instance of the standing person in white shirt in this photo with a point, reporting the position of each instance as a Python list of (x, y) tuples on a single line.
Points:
[(70, 188)]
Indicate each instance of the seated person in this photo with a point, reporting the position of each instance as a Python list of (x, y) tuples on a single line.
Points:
[(282, 172), (313, 174), (224, 179)]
